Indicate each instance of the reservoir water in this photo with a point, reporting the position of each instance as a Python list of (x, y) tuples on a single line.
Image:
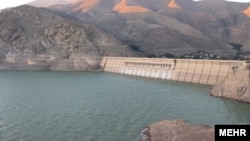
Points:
[(87, 106)]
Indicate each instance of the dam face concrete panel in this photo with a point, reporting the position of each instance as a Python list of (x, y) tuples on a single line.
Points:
[(207, 72)]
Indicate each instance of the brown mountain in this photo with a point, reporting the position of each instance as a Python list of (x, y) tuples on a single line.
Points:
[(28, 32), (169, 26)]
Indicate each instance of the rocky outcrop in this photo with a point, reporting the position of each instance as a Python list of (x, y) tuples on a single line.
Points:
[(35, 37), (172, 4), (236, 86), (122, 7), (247, 12), (177, 130), (83, 5)]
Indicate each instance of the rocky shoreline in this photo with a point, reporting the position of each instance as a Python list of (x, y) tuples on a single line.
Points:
[(38, 64), (236, 86), (177, 130)]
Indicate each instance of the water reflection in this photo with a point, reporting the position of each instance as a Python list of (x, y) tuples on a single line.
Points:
[(238, 111)]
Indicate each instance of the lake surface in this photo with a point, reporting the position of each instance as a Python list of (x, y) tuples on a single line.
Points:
[(86, 106)]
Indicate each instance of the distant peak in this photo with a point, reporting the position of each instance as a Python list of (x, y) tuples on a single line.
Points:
[(247, 12), (83, 5), (173, 4), (122, 7)]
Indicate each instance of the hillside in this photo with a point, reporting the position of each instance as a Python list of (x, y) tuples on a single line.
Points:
[(37, 35), (169, 26)]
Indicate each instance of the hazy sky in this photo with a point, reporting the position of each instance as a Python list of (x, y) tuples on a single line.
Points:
[(13, 3)]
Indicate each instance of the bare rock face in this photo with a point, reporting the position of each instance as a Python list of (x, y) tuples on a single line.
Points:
[(177, 130), (35, 37), (236, 86)]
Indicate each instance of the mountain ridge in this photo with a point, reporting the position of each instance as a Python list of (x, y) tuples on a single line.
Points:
[(212, 26)]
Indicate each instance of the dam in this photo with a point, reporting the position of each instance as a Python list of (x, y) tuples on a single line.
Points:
[(199, 71), (208, 72)]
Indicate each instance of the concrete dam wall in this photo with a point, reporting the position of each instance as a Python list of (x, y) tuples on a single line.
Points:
[(207, 72)]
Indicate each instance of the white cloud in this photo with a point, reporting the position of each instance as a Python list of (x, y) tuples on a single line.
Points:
[(12, 3)]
